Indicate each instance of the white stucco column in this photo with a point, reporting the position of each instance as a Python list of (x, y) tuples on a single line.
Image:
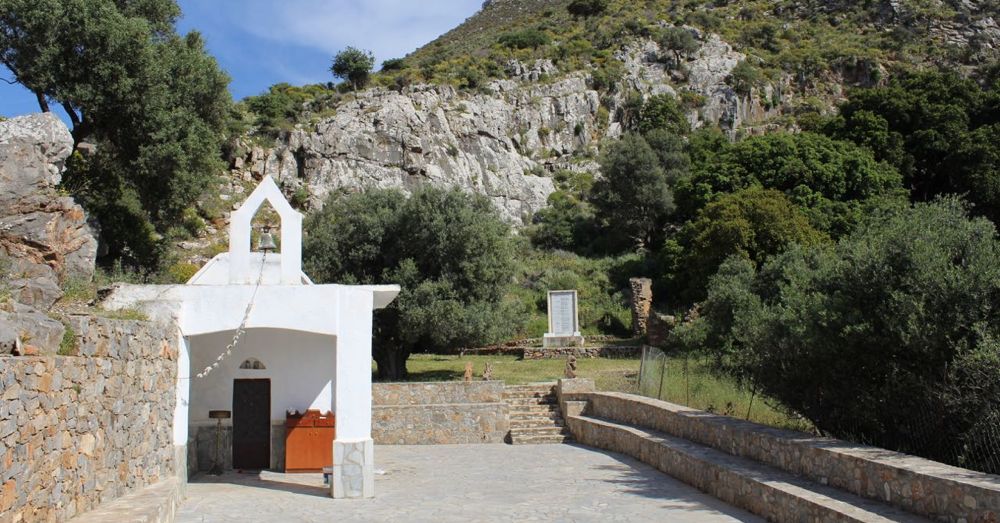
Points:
[(182, 400), (353, 449)]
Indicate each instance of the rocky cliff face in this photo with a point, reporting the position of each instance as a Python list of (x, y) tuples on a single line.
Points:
[(502, 141), (44, 236)]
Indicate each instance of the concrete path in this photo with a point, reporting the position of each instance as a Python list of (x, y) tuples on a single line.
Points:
[(467, 483)]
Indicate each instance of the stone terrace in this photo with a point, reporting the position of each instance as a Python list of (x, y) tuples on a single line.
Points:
[(467, 483)]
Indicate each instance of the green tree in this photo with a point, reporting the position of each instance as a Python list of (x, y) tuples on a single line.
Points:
[(154, 102), (354, 65), (448, 250), (671, 152), (751, 224), (681, 42), (933, 127), (662, 111), (633, 197), (833, 181), (745, 77), (891, 336)]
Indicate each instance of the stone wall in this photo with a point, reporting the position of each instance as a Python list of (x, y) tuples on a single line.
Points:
[(439, 413), (77, 431), (915, 484), (607, 351)]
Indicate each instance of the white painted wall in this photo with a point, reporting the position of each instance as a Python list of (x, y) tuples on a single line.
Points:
[(354, 385), (302, 368)]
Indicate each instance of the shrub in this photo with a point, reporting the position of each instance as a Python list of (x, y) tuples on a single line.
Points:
[(181, 272), (751, 224), (662, 112), (832, 180), (393, 64), (745, 77), (890, 337), (524, 39), (587, 7)]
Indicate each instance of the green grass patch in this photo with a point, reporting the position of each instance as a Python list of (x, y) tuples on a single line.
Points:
[(692, 383), (609, 374), (698, 387)]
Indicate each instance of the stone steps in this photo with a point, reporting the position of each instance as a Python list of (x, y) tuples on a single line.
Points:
[(551, 413), (766, 491), (534, 414), (537, 423)]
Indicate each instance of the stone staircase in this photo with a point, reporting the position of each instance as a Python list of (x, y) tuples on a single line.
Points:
[(534, 414)]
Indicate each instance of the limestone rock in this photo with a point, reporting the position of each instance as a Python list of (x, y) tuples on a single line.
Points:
[(31, 326), (45, 235)]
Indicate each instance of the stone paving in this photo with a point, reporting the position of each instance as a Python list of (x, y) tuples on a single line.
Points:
[(468, 483)]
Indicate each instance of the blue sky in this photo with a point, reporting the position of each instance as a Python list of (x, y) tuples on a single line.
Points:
[(263, 42)]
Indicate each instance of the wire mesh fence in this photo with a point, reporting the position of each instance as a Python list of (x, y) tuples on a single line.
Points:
[(689, 381)]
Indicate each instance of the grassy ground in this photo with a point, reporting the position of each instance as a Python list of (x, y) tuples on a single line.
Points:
[(697, 388), (609, 374)]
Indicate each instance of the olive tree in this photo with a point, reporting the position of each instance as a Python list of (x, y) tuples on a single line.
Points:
[(354, 65), (892, 336), (448, 250)]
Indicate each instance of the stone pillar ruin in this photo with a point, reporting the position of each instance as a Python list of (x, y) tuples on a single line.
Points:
[(642, 302)]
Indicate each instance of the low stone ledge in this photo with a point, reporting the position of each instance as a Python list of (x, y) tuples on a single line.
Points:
[(156, 503), (603, 351), (915, 484), (776, 495)]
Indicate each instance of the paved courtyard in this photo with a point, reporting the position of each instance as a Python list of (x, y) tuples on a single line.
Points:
[(481, 483)]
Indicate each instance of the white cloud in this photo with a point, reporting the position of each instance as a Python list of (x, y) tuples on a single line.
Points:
[(389, 28)]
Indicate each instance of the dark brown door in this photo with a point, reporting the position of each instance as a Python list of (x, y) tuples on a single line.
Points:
[(251, 424)]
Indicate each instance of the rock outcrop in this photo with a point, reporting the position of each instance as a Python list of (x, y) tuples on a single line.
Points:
[(44, 236), (503, 141)]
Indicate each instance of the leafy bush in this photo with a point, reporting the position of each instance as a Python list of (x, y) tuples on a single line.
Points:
[(938, 129), (587, 7), (181, 272), (745, 77), (891, 337), (448, 250), (662, 112), (524, 39), (832, 180), (393, 64), (752, 224)]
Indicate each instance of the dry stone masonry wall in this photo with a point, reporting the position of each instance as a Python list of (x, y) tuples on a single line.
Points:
[(439, 413), (78, 431)]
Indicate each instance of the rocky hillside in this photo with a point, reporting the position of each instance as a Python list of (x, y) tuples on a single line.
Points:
[(474, 111), (44, 236)]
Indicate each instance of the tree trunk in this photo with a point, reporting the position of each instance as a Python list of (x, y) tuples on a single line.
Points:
[(391, 363), (43, 104)]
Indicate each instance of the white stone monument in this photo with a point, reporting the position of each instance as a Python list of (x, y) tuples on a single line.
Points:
[(564, 322)]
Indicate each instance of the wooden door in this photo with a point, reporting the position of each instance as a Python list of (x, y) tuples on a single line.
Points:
[(252, 424)]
